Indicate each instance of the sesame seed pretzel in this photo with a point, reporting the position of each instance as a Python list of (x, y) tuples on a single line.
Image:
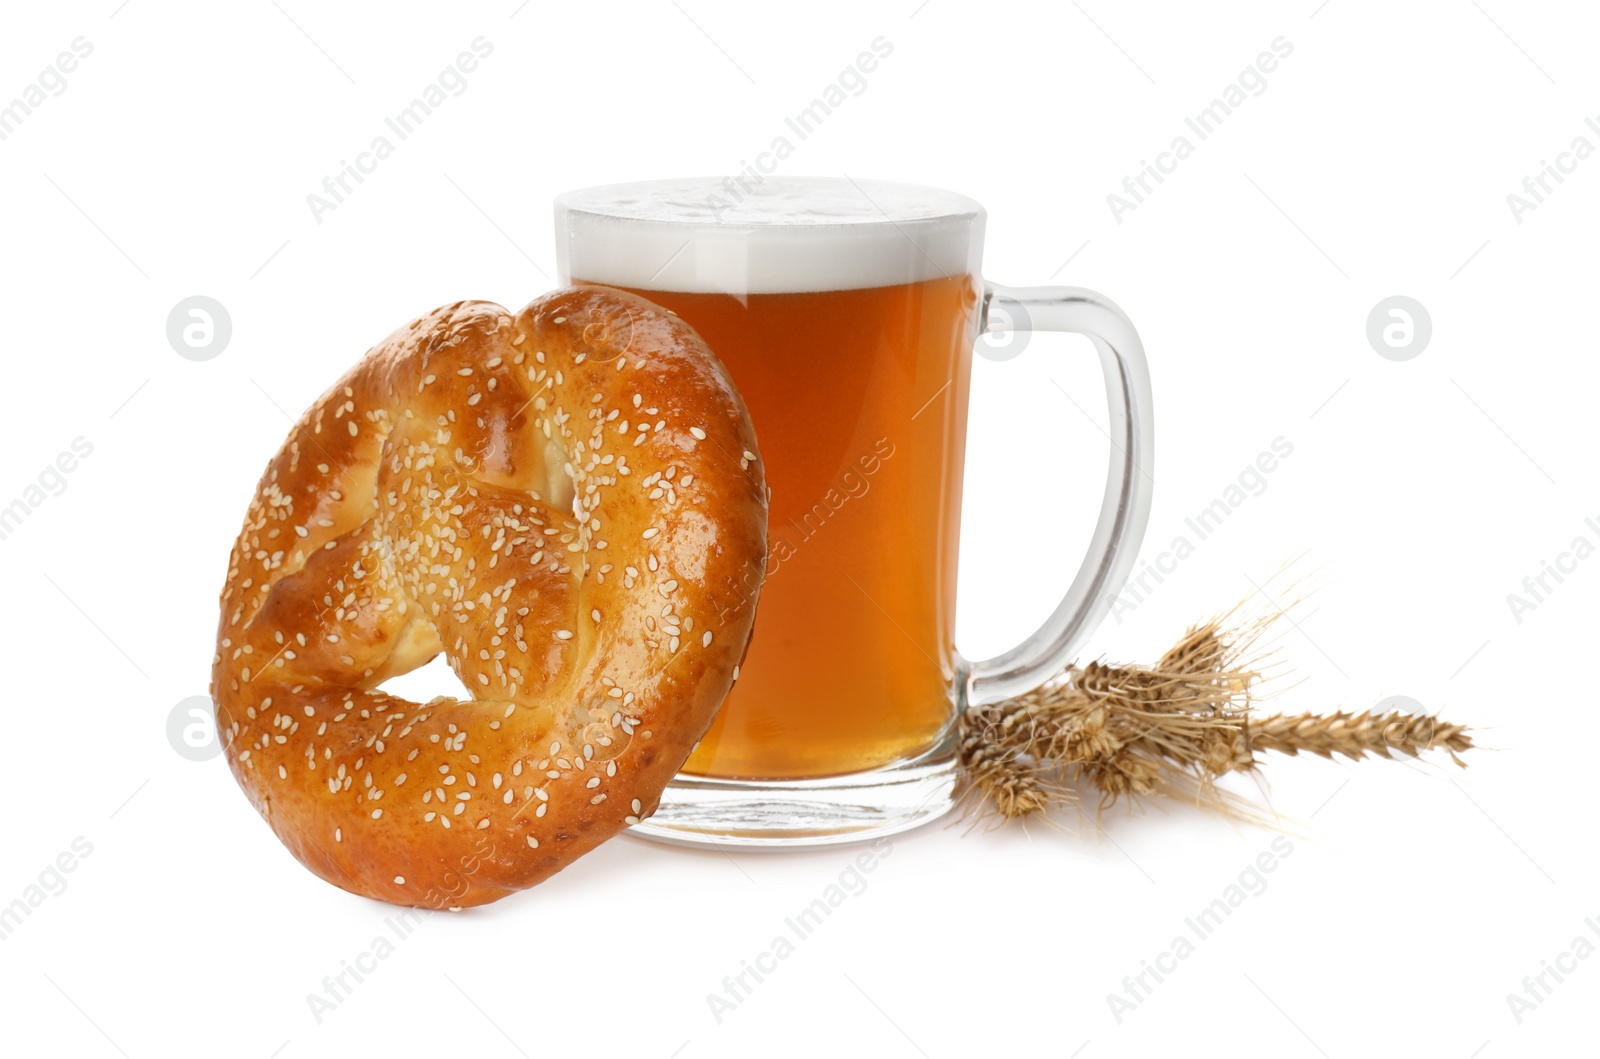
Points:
[(568, 504)]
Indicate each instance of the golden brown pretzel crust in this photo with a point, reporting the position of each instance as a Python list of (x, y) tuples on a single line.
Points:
[(568, 504)]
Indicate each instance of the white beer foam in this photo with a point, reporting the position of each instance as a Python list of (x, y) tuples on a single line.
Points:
[(783, 235)]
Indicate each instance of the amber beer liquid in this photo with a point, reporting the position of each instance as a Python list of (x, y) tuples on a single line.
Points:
[(859, 400), (846, 312)]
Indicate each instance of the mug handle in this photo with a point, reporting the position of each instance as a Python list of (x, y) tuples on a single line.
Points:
[(1126, 508)]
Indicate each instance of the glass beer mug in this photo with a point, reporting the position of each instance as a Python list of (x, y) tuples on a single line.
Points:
[(846, 312)]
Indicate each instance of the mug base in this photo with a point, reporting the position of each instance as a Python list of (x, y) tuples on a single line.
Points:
[(706, 812)]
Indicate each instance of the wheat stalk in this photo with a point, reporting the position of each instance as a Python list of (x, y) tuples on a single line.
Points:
[(1172, 728)]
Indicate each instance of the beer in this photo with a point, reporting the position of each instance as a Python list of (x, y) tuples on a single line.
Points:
[(846, 315), (859, 402)]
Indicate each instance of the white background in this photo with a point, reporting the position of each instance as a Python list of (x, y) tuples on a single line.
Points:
[(1376, 162)]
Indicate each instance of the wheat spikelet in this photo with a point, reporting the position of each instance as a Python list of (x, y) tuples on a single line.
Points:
[(1356, 735), (1007, 786), (1171, 728)]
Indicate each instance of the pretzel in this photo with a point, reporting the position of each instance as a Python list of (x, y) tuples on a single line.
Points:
[(569, 505)]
